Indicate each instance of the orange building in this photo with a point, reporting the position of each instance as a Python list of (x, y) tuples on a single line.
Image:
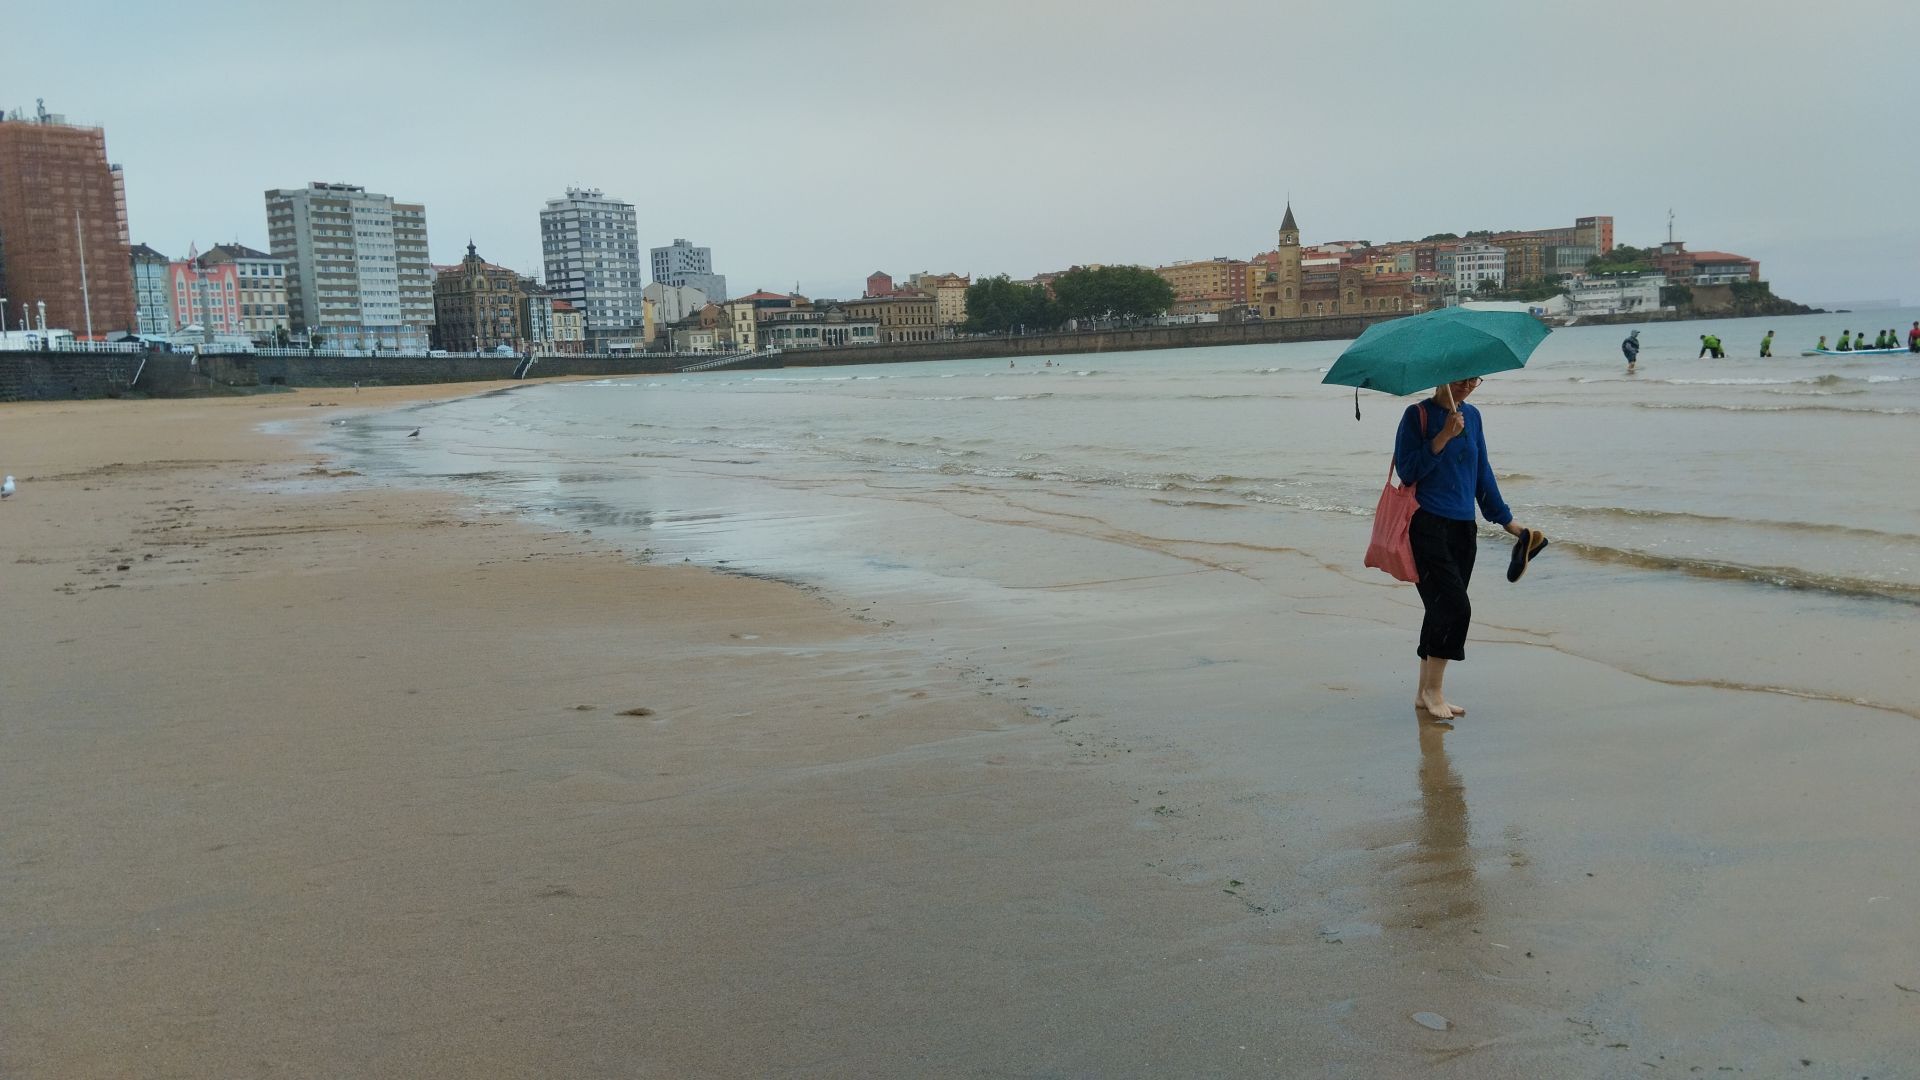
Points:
[(1205, 285)]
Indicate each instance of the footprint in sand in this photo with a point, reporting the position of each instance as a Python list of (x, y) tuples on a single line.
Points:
[(637, 711)]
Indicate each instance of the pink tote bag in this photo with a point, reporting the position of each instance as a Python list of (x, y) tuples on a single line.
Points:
[(1390, 550)]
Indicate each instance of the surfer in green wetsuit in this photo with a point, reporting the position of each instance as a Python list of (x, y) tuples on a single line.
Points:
[(1823, 343), (1766, 345), (1846, 343)]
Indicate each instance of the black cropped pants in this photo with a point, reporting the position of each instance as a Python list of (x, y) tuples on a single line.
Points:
[(1443, 551)]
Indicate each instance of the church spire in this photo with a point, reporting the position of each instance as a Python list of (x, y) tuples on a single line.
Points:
[(1289, 231)]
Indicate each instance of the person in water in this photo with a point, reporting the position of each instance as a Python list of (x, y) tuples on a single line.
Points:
[(1913, 339), (1766, 345), (1845, 345), (1441, 449), (1630, 348), (1710, 343)]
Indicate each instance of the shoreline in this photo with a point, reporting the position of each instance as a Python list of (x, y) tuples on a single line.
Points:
[(380, 798)]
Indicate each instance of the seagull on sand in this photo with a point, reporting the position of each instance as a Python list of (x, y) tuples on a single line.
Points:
[(414, 434), (6, 488)]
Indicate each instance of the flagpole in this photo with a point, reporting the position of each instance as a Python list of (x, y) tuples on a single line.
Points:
[(86, 298)]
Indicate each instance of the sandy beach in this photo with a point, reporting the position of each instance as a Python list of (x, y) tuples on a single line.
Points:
[(307, 776)]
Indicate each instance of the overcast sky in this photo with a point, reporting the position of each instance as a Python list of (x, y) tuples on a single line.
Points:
[(812, 143)]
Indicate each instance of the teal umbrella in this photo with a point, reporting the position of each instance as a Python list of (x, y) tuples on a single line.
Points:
[(1420, 352)]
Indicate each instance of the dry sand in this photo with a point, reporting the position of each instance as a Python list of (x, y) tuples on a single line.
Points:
[(306, 777)]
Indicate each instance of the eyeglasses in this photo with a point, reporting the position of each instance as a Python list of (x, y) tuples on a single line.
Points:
[(1469, 383)]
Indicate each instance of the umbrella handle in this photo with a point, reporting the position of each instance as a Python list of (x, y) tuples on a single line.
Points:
[(1356, 403), (1448, 391)]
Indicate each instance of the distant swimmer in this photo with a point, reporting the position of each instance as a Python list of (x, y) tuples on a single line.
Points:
[(1630, 348), (1913, 339), (1766, 345)]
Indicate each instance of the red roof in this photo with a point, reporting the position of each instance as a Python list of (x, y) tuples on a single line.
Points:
[(1715, 256), (763, 295), (562, 305)]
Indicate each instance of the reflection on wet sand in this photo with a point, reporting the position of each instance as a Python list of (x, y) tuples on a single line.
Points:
[(1441, 884)]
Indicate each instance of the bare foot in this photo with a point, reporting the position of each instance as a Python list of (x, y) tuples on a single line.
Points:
[(1435, 710), (1457, 710)]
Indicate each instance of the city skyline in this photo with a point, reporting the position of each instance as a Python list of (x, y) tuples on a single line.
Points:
[(1004, 144)]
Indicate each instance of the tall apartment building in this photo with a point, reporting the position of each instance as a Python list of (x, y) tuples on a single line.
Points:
[(152, 293), (591, 246), (357, 268), (262, 283), (63, 225), (680, 263)]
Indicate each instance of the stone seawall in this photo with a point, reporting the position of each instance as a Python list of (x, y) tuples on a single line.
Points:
[(39, 376), (53, 376), (44, 376), (1335, 328), (249, 370)]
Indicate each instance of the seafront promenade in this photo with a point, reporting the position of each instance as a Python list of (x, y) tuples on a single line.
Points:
[(57, 376)]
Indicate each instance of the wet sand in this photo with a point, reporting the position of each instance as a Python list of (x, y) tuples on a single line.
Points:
[(336, 780)]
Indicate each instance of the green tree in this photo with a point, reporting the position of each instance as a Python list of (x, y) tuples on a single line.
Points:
[(1112, 292), (1529, 291), (1676, 296), (1439, 236), (997, 305), (1624, 259)]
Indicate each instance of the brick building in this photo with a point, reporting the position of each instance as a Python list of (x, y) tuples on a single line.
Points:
[(902, 316), (1684, 267), (62, 206), (479, 305), (1292, 282), (1205, 285)]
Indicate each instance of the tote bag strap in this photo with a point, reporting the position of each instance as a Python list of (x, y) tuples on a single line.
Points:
[(1423, 431)]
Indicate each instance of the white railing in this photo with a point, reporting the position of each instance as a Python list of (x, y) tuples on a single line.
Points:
[(79, 345), (730, 358)]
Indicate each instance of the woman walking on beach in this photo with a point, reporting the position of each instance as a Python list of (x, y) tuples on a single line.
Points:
[(1442, 451)]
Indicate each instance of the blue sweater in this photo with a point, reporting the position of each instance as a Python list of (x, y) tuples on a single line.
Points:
[(1447, 484)]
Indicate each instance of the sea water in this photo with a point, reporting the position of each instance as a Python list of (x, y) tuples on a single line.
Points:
[(1742, 522)]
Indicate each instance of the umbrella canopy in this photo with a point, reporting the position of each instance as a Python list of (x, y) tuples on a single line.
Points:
[(1419, 352)]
